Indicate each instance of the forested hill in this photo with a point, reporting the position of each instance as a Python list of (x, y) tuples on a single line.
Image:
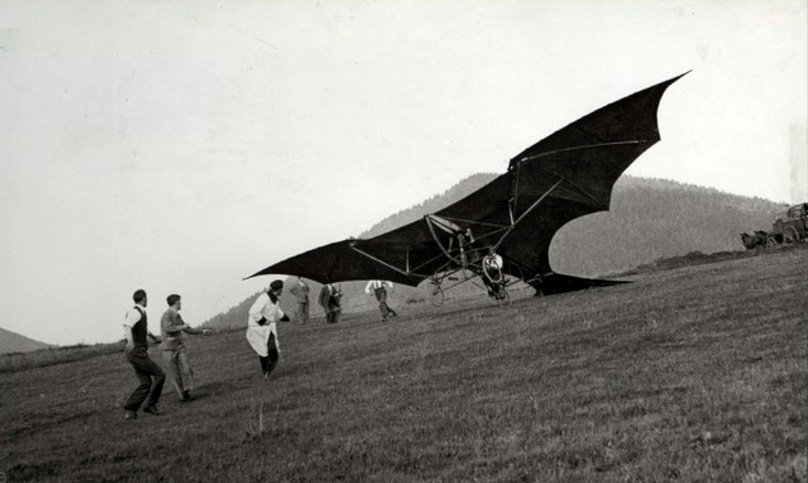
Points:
[(649, 219), (435, 203)]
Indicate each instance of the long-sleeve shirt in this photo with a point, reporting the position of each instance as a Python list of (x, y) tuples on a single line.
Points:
[(172, 327), (301, 291), (377, 284)]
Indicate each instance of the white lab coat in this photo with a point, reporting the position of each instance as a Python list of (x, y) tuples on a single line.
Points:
[(258, 335)]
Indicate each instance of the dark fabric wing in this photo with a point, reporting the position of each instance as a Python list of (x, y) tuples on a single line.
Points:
[(406, 255), (564, 176), (630, 118), (337, 262), (568, 174), (575, 170), (557, 189), (410, 249)]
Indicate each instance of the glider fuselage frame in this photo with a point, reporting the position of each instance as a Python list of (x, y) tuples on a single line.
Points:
[(463, 251)]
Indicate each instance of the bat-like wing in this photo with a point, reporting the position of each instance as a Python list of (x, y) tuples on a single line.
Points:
[(566, 175)]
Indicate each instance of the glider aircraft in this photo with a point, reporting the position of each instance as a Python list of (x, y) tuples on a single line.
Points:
[(501, 233)]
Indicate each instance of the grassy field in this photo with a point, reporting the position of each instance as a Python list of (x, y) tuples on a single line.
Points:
[(17, 361), (695, 373)]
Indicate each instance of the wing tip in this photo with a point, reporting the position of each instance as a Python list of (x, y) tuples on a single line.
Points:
[(674, 79), (256, 274)]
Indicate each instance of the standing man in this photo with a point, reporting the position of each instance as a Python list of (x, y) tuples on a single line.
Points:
[(330, 301), (301, 291), (137, 353), (262, 333), (380, 291), (174, 351)]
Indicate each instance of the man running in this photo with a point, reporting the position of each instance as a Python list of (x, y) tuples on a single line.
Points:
[(379, 290), (150, 375)]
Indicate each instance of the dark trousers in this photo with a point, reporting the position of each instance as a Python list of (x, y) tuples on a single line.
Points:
[(269, 362), (148, 390), (381, 296), (332, 312)]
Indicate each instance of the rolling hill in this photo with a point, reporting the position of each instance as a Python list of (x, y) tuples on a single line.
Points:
[(12, 342), (649, 219)]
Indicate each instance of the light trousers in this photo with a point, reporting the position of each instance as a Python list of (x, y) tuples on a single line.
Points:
[(179, 368)]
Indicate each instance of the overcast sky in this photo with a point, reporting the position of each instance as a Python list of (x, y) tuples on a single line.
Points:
[(180, 146)]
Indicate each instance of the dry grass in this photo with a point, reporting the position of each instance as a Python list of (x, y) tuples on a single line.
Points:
[(17, 361), (696, 373)]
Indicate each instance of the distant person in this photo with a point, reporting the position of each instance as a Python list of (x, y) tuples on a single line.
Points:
[(301, 292), (379, 289), (150, 375), (262, 332), (174, 350), (330, 300)]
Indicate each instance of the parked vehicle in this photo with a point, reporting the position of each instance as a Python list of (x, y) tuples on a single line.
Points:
[(791, 228)]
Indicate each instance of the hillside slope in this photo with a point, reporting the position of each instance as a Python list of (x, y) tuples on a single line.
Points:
[(13, 342), (697, 373), (649, 219), (652, 219)]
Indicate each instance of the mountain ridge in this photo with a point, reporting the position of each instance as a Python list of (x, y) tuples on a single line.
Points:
[(648, 219)]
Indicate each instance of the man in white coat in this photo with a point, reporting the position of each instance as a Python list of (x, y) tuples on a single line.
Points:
[(262, 332)]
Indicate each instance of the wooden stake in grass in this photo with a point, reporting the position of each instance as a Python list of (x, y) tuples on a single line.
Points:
[(261, 418), (254, 430)]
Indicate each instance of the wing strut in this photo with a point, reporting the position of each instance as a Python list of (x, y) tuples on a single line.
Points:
[(579, 148), (577, 187), (379, 260), (432, 220), (526, 212)]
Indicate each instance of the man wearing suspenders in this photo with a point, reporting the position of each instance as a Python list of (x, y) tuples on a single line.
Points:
[(150, 375), (380, 291)]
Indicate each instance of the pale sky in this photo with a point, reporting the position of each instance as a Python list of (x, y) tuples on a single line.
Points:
[(178, 146)]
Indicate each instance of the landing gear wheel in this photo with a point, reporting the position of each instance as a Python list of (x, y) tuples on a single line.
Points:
[(502, 297), (790, 235), (434, 293)]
